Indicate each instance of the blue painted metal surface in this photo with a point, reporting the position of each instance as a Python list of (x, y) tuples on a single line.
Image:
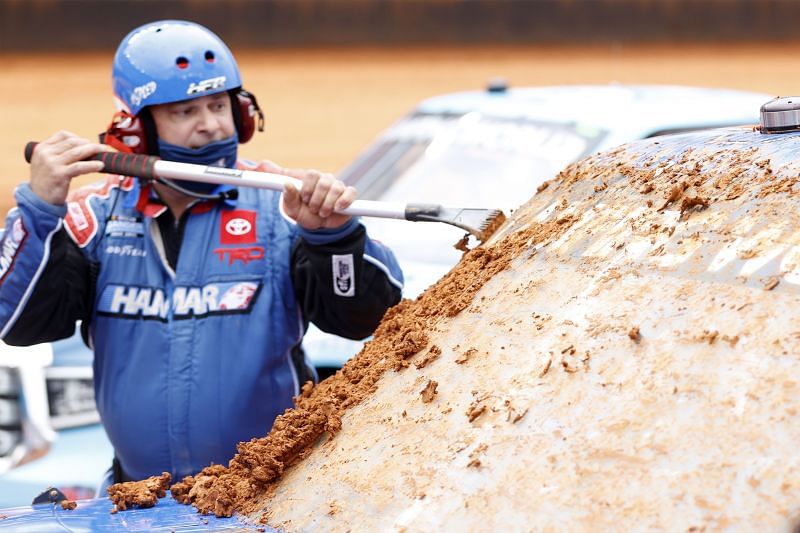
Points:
[(95, 515), (75, 464)]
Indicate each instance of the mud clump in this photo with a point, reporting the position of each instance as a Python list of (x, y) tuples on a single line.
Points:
[(493, 225), (68, 505), (317, 414), (429, 392), (144, 493)]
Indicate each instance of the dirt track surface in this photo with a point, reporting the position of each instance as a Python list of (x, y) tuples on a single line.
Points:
[(323, 106)]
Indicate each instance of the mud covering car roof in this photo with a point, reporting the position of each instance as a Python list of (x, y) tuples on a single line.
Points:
[(622, 354)]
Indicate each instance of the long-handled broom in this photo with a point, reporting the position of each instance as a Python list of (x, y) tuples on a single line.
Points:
[(481, 223)]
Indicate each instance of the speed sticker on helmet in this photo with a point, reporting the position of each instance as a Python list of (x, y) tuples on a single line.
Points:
[(206, 85)]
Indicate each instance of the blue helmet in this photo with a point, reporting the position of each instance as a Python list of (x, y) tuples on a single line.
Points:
[(169, 61)]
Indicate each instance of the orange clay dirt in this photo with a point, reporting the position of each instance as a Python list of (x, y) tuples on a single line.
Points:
[(68, 505), (317, 415), (144, 493)]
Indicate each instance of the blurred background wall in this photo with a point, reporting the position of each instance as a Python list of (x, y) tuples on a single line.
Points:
[(98, 24), (332, 74)]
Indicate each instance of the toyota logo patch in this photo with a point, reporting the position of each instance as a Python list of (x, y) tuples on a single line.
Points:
[(238, 227)]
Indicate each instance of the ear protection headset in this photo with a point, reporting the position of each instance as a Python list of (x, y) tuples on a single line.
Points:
[(137, 134)]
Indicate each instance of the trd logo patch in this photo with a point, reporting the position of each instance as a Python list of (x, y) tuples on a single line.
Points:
[(245, 255), (237, 227), (343, 275)]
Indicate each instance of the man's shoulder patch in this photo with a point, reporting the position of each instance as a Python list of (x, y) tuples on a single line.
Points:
[(81, 219), (343, 275)]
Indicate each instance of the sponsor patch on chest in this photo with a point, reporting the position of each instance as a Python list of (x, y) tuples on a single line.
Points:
[(122, 226), (237, 227), (131, 301)]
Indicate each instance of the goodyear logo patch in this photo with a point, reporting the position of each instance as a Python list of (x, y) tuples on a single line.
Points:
[(126, 250), (150, 303)]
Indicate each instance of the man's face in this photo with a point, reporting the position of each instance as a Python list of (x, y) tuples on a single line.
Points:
[(195, 123)]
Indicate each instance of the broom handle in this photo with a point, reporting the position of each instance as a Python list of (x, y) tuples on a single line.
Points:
[(151, 167)]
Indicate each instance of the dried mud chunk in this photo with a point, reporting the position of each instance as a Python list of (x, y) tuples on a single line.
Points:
[(333, 508), (709, 336), (432, 355), (695, 201), (185, 491), (461, 245), (144, 493), (429, 392), (68, 505), (475, 461), (180, 490), (674, 193), (771, 283), (464, 357), (492, 225), (475, 410)]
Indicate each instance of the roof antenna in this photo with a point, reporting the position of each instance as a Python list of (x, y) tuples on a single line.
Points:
[(780, 115)]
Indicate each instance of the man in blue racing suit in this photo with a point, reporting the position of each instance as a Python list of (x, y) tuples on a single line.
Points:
[(194, 298)]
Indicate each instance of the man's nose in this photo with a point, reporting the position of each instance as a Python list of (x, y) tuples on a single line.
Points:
[(209, 121)]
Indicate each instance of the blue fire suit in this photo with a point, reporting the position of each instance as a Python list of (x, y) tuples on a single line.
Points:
[(195, 356)]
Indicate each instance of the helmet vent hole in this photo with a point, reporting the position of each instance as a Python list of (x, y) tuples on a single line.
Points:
[(209, 56), (182, 62)]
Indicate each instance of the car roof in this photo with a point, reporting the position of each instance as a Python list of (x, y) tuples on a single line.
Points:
[(632, 348)]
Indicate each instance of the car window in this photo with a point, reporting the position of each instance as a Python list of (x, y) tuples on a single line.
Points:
[(425, 157)]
